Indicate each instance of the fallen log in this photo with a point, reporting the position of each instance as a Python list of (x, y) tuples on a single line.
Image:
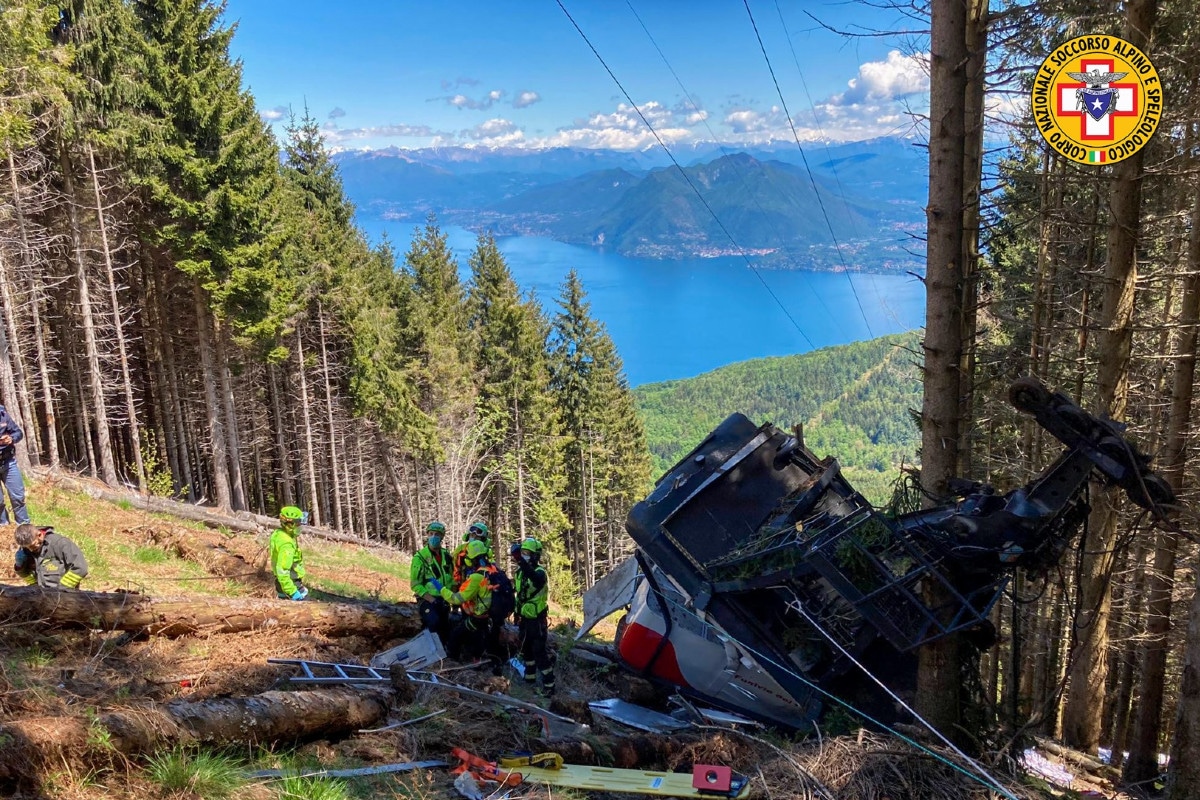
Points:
[(244, 521), (260, 719), (124, 611), (215, 559)]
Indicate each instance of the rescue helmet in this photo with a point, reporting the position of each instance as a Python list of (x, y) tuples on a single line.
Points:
[(532, 545), (434, 532), (291, 515), (478, 530), (476, 549)]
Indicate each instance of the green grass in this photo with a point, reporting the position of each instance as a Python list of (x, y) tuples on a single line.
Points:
[(295, 788), (150, 555), (211, 776), (35, 657)]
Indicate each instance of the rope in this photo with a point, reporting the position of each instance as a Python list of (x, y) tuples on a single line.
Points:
[(689, 181), (803, 157), (988, 781)]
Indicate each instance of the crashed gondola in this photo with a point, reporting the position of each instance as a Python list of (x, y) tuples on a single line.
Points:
[(764, 584)]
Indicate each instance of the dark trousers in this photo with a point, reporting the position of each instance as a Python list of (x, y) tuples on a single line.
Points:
[(535, 650), (435, 616), (10, 476), (476, 636), (469, 638)]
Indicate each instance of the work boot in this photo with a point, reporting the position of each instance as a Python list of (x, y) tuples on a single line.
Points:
[(547, 677)]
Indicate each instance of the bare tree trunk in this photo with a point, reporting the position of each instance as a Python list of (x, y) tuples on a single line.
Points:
[(216, 428), (938, 678), (333, 450), (306, 412), (1081, 724), (35, 304), (284, 493), (8, 382), (228, 403), (108, 470), (1183, 776), (1143, 749), (118, 326), (171, 387)]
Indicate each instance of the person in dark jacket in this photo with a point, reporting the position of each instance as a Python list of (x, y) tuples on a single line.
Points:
[(10, 474), (48, 559)]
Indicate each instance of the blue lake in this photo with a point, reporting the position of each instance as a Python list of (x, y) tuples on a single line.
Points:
[(678, 319)]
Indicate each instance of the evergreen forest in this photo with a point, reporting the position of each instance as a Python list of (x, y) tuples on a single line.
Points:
[(189, 310), (854, 402)]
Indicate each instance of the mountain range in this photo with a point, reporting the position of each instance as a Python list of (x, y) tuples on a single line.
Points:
[(784, 206)]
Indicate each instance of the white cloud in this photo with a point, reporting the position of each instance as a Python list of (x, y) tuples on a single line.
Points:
[(462, 101), (623, 129), (274, 114), (898, 77), (525, 99), (495, 132), (337, 113), (696, 117), (748, 121), (337, 135)]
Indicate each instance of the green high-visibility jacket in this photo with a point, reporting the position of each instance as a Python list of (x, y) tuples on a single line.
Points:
[(533, 590), (429, 565), (287, 562), (475, 595)]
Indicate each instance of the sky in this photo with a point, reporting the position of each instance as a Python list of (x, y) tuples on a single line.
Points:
[(421, 73)]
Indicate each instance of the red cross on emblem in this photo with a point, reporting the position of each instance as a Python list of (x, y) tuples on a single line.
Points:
[(1093, 130)]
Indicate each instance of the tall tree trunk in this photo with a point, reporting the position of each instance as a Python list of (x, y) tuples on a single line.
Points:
[(174, 394), (1085, 701), (306, 413), (229, 404), (938, 675), (135, 435), (8, 383), (333, 450), (284, 492), (108, 470), (35, 305), (1183, 775), (212, 404), (1143, 748)]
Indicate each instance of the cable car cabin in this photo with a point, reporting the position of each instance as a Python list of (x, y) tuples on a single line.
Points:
[(768, 584)]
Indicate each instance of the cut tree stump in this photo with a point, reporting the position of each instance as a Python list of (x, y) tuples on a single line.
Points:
[(123, 611)]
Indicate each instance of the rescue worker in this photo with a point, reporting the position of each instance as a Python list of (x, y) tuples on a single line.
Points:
[(48, 559), (431, 570), (474, 595), (478, 532), (533, 594), (287, 561)]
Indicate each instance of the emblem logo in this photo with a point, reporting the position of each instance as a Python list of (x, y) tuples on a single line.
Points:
[(1096, 99)]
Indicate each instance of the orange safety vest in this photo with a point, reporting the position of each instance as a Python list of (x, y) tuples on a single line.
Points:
[(481, 603)]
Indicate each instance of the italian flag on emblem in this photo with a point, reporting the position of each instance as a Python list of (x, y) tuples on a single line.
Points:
[(1096, 156)]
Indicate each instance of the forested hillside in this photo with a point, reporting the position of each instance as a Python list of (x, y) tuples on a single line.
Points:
[(855, 403), (189, 309)]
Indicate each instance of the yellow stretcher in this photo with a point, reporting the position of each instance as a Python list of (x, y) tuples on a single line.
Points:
[(548, 768)]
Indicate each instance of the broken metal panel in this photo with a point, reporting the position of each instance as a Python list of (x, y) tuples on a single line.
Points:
[(422, 651), (635, 716), (609, 594)]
